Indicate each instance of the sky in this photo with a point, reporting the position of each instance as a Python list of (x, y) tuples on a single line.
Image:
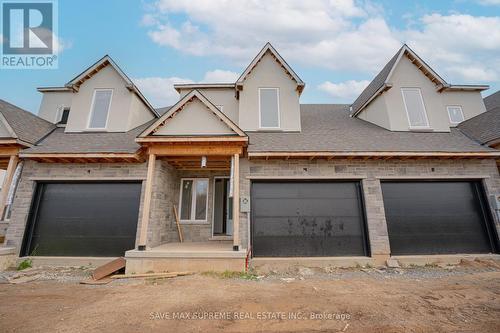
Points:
[(336, 47)]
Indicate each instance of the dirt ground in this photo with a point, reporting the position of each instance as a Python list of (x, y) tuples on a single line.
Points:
[(463, 298)]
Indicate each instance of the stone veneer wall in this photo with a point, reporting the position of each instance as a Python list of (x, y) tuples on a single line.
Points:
[(369, 173), (62, 171), (162, 226), (200, 232)]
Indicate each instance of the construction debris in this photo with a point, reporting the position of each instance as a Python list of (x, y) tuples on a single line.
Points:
[(108, 269), (149, 275)]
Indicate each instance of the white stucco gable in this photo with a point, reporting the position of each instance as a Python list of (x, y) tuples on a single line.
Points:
[(193, 115)]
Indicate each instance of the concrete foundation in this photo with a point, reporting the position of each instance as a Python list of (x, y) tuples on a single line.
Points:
[(266, 265), (8, 258), (67, 261), (448, 259)]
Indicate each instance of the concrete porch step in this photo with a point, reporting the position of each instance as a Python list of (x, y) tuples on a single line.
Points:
[(189, 256)]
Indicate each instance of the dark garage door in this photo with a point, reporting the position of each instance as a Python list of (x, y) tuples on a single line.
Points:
[(83, 219), (307, 219), (437, 217)]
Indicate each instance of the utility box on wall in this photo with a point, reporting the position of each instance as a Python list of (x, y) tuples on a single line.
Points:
[(245, 204)]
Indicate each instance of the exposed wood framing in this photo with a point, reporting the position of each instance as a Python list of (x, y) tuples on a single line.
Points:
[(372, 155), (192, 139), (8, 151), (193, 150), (86, 158), (194, 162), (146, 209), (236, 202), (11, 168)]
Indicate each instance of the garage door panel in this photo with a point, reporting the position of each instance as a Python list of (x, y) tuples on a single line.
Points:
[(440, 217), (307, 219), (83, 219), (307, 207)]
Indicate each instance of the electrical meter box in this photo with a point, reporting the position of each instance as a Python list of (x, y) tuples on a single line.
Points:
[(245, 204)]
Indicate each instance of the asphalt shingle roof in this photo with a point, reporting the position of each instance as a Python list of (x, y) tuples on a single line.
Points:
[(329, 128), (26, 126), (492, 101), (485, 127), (89, 142), (374, 85)]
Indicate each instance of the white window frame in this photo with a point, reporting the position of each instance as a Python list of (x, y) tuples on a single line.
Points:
[(193, 202), (449, 114), (279, 109), (423, 104), (220, 107), (92, 110)]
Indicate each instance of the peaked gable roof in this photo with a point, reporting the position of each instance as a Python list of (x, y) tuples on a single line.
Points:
[(23, 125), (485, 127), (179, 106), (75, 83), (382, 82), (269, 48), (492, 101)]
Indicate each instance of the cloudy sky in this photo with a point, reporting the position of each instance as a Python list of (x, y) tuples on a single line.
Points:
[(335, 46)]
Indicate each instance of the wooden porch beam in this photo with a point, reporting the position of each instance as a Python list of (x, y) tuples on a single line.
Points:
[(236, 202), (8, 151), (350, 155), (146, 208), (222, 139), (190, 150)]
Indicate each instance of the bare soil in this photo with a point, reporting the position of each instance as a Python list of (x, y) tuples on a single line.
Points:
[(464, 298)]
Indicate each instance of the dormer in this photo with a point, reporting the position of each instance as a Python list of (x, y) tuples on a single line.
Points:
[(222, 95), (408, 95), (100, 99), (268, 93)]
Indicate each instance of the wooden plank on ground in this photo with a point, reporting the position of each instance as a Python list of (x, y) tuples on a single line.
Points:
[(105, 280), (108, 269), (146, 275)]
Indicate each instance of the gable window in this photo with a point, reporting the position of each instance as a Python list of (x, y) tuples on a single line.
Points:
[(100, 108), (455, 113), (64, 116), (269, 107), (415, 109), (194, 199)]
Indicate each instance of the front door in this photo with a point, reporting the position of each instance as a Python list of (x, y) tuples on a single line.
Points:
[(223, 208)]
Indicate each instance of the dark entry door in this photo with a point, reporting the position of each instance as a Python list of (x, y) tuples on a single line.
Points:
[(83, 219), (307, 219), (437, 217)]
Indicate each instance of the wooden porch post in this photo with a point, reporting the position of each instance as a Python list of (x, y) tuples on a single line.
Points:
[(9, 174), (236, 202), (146, 208)]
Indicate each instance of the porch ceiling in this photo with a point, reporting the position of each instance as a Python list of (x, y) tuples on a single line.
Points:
[(194, 162), (4, 162)]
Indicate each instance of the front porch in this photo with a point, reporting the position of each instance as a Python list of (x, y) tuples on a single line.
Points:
[(187, 256)]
